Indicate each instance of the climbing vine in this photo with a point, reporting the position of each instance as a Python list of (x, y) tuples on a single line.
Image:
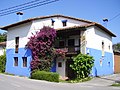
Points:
[(43, 52)]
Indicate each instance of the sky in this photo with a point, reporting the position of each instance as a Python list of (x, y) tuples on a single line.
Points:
[(93, 10)]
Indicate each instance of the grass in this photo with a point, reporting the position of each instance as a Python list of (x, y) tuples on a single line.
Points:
[(9, 74), (76, 80), (116, 84)]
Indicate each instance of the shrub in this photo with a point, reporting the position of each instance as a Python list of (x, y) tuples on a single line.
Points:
[(43, 75), (82, 65), (2, 62)]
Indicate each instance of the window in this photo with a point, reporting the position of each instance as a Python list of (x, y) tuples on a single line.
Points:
[(61, 43), (109, 47), (52, 22), (64, 22), (24, 61), (16, 40), (71, 42), (15, 61), (16, 44), (103, 48), (59, 64)]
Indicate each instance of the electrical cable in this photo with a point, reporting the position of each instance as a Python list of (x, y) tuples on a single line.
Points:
[(23, 7), (26, 7), (19, 5), (114, 17)]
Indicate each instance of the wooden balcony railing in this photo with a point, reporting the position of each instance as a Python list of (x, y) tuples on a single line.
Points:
[(71, 49)]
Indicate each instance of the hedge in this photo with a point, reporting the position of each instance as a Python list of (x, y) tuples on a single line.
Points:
[(2, 62), (43, 75)]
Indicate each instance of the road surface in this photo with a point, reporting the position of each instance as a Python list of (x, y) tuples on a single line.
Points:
[(8, 82)]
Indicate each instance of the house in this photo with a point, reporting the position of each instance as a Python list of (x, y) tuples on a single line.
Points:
[(2, 47), (76, 35)]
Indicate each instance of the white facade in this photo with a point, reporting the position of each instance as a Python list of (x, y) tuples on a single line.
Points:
[(95, 36), (20, 31), (24, 31)]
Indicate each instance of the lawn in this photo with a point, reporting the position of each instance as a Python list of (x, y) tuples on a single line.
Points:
[(116, 84)]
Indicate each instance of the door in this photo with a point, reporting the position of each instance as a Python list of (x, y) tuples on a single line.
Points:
[(70, 73)]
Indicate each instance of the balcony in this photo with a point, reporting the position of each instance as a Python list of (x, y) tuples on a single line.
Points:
[(70, 49)]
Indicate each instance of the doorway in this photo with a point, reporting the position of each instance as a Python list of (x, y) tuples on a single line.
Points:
[(70, 73)]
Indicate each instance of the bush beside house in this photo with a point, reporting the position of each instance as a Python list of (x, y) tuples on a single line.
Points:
[(2, 62), (82, 65), (43, 75)]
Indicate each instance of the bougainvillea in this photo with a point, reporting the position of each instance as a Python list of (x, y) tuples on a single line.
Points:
[(60, 52), (41, 46), (43, 52)]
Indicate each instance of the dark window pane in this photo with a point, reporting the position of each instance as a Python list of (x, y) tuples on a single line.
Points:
[(24, 61), (59, 64), (15, 61), (71, 42), (16, 44), (61, 43), (64, 22), (16, 40)]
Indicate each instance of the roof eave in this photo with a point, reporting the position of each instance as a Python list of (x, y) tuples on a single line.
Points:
[(43, 17), (15, 24), (105, 29)]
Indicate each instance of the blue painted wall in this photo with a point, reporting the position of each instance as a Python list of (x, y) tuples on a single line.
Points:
[(53, 69), (102, 65), (18, 70)]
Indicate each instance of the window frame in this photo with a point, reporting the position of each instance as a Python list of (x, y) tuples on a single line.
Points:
[(73, 43), (61, 43), (103, 48), (52, 22), (59, 64), (64, 22), (16, 44), (15, 61), (24, 61)]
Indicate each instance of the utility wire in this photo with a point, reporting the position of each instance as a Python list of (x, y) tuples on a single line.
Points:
[(19, 5), (19, 8), (114, 17), (27, 7)]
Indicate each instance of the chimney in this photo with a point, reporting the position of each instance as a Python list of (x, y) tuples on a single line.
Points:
[(105, 21), (20, 14)]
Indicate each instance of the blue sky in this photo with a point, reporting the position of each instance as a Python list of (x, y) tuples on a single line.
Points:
[(93, 10)]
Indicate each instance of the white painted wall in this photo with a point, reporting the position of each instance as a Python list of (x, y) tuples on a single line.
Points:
[(2, 49), (83, 42), (95, 36), (38, 24), (20, 31)]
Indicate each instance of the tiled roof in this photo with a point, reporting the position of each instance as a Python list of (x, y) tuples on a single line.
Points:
[(90, 23), (75, 27), (42, 17), (116, 52)]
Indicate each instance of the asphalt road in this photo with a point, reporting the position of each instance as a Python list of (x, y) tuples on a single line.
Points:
[(8, 82)]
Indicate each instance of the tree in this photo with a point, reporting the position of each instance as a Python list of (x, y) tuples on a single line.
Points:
[(82, 65), (3, 37), (2, 62), (116, 47)]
